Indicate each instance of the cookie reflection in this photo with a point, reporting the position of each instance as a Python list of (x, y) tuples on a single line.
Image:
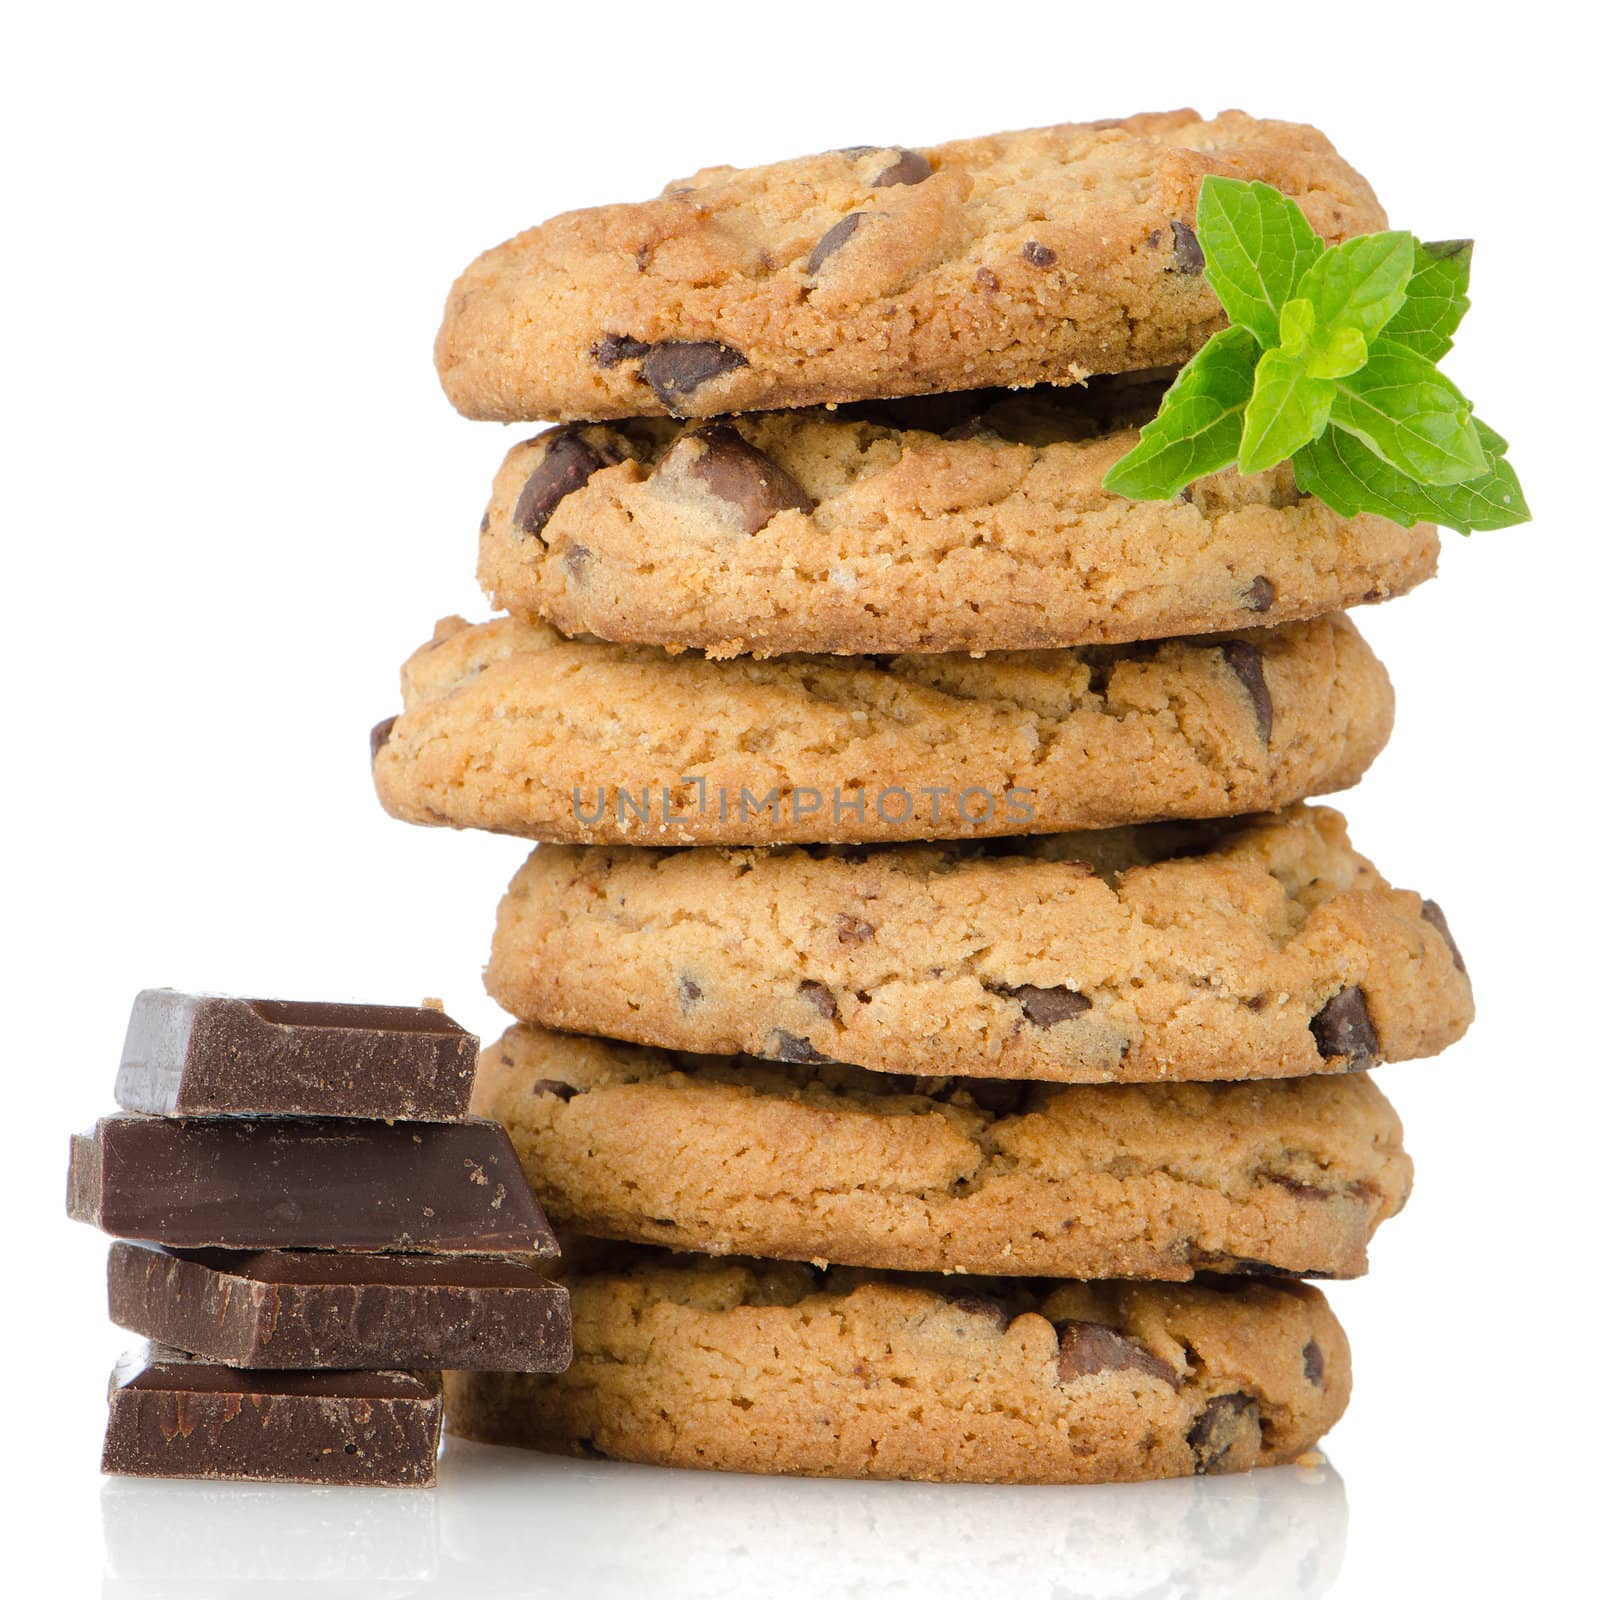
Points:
[(505, 1523)]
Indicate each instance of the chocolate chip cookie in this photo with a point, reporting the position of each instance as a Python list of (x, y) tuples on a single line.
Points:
[(957, 522), (731, 1156), (1041, 256), (1254, 949), (510, 727), (753, 1366)]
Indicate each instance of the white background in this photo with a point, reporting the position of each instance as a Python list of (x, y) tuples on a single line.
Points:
[(235, 499)]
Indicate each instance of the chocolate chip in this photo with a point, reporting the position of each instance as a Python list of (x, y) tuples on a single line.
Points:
[(985, 279), (689, 993), (1311, 1360), (747, 478), (1247, 1267), (912, 167), (568, 462), (789, 1047), (1000, 1097), (1091, 1347), (1432, 913), (1187, 256), (483, 523), (616, 348), (1038, 255), (821, 996), (985, 1306), (852, 930), (1261, 595), (1244, 660), (562, 1091), (1298, 1186), (680, 366), (575, 558), (835, 238), (380, 735), (1343, 1027), (1045, 1008), (1227, 1420)]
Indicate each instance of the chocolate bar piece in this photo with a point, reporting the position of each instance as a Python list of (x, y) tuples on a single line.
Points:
[(233, 1184), (175, 1417), (202, 1055), (299, 1309)]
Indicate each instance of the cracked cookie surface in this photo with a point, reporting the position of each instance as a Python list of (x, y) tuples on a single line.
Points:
[(1259, 948), (823, 1163), (778, 1367), (511, 727), (1037, 256), (960, 522)]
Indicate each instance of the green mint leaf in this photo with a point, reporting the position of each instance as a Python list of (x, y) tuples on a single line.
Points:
[(1197, 429), (1327, 352), (1341, 472), (1494, 444), (1359, 284), (1289, 408), (1297, 324), (1328, 362), (1495, 500), (1338, 355), (1408, 413), (1436, 298), (1257, 244)]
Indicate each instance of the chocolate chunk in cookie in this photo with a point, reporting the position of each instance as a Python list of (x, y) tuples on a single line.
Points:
[(1260, 595), (1244, 661), (835, 238), (1047, 1008), (1432, 914), (1091, 1347), (791, 1047), (910, 167), (983, 1306), (1344, 1028), (554, 1086), (679, 367), (615, 348), (1187, 256), (566, 464), (733, 471), (1312, 1362), (1229, 1421), (820, 996)]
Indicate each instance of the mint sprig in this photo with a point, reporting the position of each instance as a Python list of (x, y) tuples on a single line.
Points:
[(1329, 362)]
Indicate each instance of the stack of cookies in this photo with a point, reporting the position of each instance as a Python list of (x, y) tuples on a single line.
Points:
[(944, 1028), (310, 1227)]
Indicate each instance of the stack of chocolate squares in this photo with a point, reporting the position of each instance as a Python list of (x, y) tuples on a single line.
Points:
[(943, 1025), (309, 1227)]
